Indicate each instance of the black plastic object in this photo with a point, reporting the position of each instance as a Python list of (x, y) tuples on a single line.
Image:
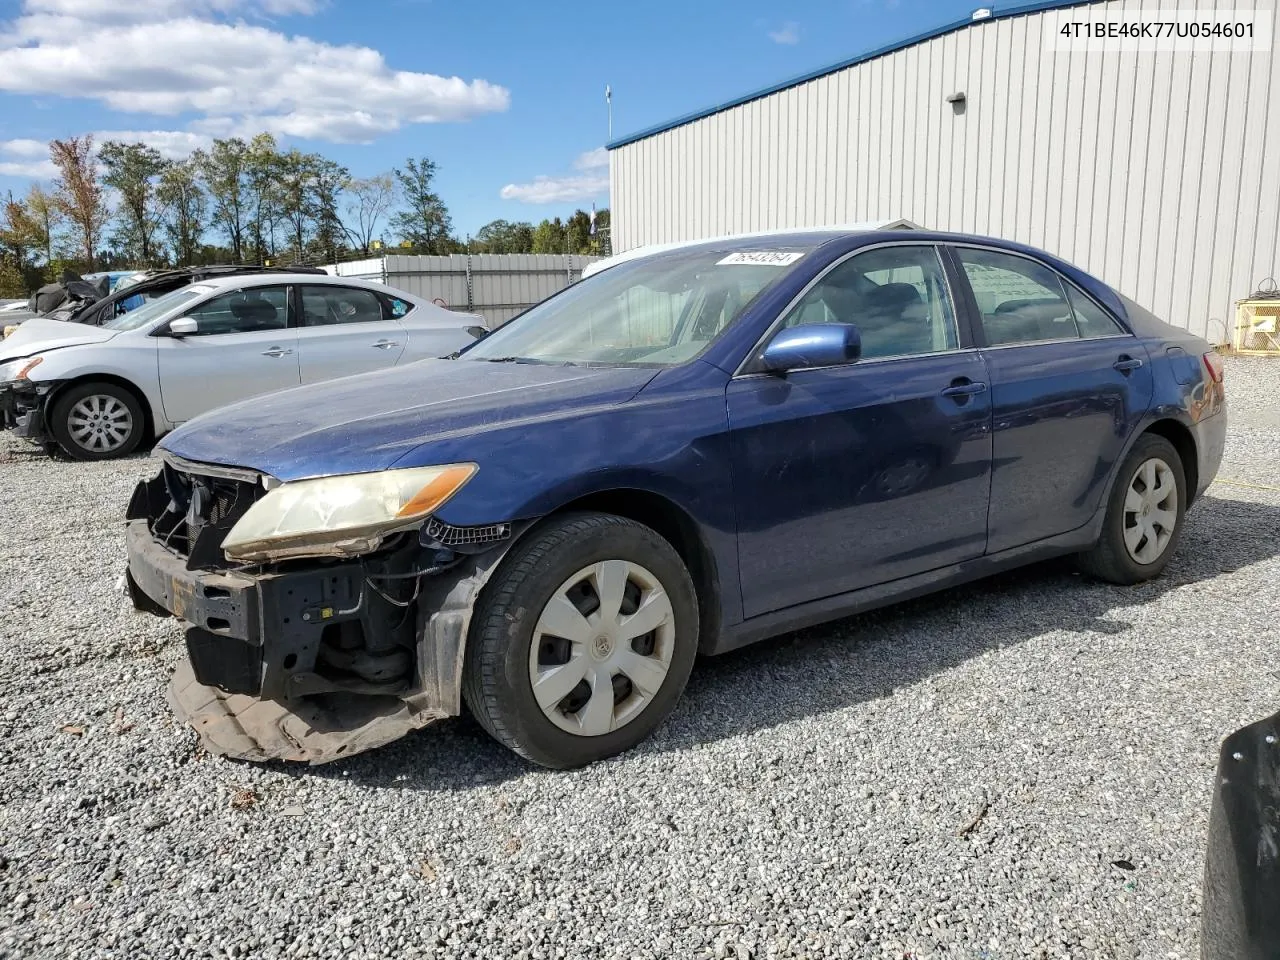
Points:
[(1241, 914)]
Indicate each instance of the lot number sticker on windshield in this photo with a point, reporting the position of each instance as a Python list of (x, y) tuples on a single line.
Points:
[(770, 258)]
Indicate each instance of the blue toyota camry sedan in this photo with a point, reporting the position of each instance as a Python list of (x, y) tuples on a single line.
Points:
[(686, 452)]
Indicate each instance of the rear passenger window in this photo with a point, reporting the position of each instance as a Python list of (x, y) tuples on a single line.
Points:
[(322, 305), (1021, 301), (1091, 319), (395, 307)]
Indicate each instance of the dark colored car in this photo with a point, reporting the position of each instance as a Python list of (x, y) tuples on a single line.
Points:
[(83, 307), (1240, 917), (684, 453)]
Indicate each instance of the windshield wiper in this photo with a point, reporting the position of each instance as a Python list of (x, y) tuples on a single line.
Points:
[(506, 359)]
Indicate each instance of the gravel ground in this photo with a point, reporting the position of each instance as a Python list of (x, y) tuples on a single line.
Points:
[(954, 777)]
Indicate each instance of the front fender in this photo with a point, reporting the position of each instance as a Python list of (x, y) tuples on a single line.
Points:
[(135, 366)]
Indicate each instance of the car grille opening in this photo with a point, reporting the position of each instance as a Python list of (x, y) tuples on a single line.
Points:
[(191, 513)]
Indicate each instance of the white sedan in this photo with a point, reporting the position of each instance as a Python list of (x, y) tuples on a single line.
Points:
[(100, 392)]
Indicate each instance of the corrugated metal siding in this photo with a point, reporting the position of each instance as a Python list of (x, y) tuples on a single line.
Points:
[(1149, 170), (501, 285)]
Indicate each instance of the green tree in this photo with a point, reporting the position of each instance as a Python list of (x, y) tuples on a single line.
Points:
[(293, 179), (12, 282), (224, 173), (502, 236), (133, 170), (19, 233), (185, 205), (77, 192), (549, 237), (578, 232), (329, 180), (425, 223), (263, 175)]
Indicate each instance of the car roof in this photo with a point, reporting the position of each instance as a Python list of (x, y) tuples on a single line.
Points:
[(808, 236), (267, 279)]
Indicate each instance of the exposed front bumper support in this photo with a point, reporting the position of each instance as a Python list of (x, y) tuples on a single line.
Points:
[(22, 410), (253, 686)]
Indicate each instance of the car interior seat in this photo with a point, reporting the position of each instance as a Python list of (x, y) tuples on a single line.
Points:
[(253, 312), (894, 320)]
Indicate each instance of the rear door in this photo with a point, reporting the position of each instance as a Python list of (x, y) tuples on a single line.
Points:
[(1069, 385), (345, 330), (243, 346)]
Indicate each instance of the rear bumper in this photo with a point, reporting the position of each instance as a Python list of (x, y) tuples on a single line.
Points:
[(1211, 440)]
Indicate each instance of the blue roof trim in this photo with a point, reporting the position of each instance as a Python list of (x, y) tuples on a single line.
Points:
[(996, 14)]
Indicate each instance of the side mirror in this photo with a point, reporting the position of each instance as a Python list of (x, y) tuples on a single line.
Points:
[(479, 333), (183, 327), (812, 345)]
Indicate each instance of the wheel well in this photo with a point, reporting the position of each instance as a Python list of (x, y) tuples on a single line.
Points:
[(148, 418), (678, 529), (1185, 444)]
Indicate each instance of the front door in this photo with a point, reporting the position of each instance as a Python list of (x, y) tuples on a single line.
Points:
[(243, 346), (345, 330), (855, 475), (1068, 387)]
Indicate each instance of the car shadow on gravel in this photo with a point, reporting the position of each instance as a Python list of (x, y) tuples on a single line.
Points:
[(854, 660)]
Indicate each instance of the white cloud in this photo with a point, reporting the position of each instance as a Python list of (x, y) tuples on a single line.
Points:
[(29, 149), (170, 57), (36, 169), (557, 189), (597, 159), (788, 33)]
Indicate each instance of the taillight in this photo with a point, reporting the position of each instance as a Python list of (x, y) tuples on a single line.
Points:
[(1213, 364)]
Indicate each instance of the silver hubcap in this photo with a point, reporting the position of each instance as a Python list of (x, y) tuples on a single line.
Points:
[(1150, 510), (100, 423), (602, 648)]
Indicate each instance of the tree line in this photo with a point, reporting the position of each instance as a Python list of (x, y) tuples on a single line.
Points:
[(124, 206)]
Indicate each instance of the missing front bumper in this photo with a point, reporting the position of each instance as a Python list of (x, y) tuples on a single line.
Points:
[(254, 686)]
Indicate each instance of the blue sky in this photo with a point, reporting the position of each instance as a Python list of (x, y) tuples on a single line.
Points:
[(507, 97)]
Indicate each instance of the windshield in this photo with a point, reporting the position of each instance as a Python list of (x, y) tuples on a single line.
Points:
[(659, 311), (153, 308)]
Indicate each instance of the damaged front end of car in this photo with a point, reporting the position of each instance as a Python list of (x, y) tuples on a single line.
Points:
[(23, 405), (305, 646)]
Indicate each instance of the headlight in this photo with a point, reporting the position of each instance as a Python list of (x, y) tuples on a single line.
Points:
[(341, 516), (18, 369)]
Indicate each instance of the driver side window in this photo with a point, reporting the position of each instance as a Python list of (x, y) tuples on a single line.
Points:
[(243, 311), (897, 297)]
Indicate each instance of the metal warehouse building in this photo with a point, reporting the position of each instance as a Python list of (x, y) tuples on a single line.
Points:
[(1157, 171)]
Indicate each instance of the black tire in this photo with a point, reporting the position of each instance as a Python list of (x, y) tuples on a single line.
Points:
[(496, 676), (1110, 559), (65, 403)]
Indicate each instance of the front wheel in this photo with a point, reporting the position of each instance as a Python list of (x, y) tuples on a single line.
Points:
[(582, 642), (1144, 515), (97, 421)]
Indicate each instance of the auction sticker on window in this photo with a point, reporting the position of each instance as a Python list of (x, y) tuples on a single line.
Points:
[(768, 258)]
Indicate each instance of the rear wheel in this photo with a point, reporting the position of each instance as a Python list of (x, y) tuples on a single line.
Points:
[(582, 642), (97, 421), (1144, 515)]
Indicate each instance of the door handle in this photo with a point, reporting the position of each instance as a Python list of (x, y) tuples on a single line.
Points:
[(1127, 363), (276, 352), (386, 344), (963, 388)]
